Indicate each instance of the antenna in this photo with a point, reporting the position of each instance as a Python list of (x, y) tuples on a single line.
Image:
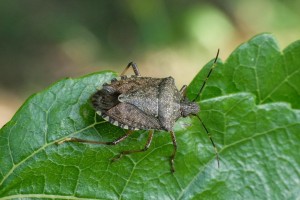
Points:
[(209, 135), (211, 69)]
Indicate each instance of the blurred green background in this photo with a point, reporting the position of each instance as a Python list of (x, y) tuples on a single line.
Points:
[(43, 41)]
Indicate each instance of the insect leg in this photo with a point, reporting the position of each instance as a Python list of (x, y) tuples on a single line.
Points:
[(134, 67), (183, 90), (172, 158), (120, 139), (147, 145)]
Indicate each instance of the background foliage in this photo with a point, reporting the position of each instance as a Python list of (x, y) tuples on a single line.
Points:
[(42, 42), (250, 106)]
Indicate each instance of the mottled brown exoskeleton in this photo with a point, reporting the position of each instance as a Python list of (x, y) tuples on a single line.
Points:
[(144, 103)]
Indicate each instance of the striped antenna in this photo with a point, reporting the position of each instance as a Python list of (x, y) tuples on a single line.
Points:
[(209, 135), (211, 69)]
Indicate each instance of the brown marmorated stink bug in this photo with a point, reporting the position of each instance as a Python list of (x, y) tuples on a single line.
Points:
[(144, 103)]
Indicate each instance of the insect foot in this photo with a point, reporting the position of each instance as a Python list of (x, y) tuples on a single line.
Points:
[(64, 140), (116, 158), (146, 147)]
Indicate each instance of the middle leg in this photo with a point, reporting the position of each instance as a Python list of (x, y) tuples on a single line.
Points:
[(146, 147)]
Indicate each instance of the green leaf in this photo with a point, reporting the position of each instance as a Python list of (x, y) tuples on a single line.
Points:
[(250, 105)]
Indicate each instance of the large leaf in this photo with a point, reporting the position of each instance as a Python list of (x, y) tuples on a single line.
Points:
[(249, 105)]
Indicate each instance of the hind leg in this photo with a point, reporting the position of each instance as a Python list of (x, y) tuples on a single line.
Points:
[(134, 67), (120, 139)]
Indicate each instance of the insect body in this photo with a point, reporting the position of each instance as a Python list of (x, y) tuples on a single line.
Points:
[(144, 103)]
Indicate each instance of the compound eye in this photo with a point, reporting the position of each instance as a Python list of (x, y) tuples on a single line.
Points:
[(183, 113)]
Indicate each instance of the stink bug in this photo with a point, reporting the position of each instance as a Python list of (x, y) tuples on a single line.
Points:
[(144, 103)]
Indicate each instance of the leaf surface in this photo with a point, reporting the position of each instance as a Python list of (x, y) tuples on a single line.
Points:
[(250, 105)]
